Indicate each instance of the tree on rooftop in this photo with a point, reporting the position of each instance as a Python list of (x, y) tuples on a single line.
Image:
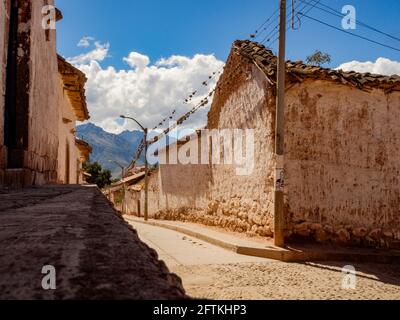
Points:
[(319, 58), (97, 175)]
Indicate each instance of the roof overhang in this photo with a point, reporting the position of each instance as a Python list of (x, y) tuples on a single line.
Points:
[(74, 82)]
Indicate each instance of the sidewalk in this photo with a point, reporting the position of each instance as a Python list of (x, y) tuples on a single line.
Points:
[(95, 253), (292, 253)]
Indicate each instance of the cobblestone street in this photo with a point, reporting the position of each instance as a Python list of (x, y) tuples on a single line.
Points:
[(211, 272), (283, 281)]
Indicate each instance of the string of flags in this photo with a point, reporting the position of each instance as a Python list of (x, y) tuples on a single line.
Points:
[(189, 99), (204, 84), (186, 116)]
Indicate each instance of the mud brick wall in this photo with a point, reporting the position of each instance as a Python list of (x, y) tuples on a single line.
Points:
[(45, 96), (214, 194), (43, 93), (343, 164), (4, 26)]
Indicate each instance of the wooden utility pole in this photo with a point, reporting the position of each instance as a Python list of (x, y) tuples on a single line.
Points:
[(146, 178), (279, 132)]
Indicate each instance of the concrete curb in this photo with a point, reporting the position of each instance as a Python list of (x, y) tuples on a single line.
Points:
[(290, 254)]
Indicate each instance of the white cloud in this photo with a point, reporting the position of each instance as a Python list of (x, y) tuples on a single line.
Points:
[(85, 42), (144, 90), (382, 66), (99, 53), (137, 60)]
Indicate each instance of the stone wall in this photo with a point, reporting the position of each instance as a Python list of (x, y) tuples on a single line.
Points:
[(342, 164)]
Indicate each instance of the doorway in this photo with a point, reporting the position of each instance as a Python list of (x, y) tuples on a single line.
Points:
[(16, 114), (67, 163)]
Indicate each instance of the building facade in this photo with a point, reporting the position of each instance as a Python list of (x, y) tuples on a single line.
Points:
[(36, 103)]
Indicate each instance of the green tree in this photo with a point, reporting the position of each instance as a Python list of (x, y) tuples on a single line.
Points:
[(97, 175), (319, 58)]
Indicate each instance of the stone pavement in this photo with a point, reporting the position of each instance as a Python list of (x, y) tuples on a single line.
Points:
[(176, 248), (96, 254), (265, 248), (211, 272)]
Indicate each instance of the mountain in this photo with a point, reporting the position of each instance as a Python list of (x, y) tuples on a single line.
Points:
[(108, 146)]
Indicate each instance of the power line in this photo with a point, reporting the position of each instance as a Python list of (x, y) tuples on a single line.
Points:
[(348, 32), (274, 35), (257, 32), (339, 14), (189, 98), (263, 27)]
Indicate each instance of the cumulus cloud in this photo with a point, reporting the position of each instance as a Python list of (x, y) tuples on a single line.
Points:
[(144, 90), (85, 42), (382, 66), (99, 53), (137, 60)]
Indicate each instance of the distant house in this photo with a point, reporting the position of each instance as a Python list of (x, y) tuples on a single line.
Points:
[(72, 152), (342, 161), (85, 149), (41, 98)]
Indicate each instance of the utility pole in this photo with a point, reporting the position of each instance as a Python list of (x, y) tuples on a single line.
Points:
[(279, 236), (146, 177)]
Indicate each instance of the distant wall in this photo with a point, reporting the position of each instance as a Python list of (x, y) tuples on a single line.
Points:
[(67, 160), (343, 163)]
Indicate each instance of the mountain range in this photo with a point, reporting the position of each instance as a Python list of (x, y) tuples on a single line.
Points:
[(108, 146)]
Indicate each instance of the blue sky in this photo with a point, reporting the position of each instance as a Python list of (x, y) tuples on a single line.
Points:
[(194, 38), (160, 28)]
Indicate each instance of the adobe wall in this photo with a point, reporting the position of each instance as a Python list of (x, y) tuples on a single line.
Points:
[(216, 195), (343, 164), (45, 95), (42, 94), (4, 26)]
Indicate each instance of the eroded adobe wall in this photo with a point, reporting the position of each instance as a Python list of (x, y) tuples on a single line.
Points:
[(38, 92), (45, 96), (343, 164), (4, 26), (216, 195)]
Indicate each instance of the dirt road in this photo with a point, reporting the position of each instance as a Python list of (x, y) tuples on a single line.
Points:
[(214, 273)]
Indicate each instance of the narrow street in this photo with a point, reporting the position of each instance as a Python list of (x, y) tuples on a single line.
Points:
[(211, 272)]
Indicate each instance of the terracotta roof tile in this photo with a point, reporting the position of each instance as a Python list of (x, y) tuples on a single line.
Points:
[(298, 71), (74, 83)]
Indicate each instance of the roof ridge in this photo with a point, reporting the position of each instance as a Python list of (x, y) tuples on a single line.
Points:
[(298, 70)]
